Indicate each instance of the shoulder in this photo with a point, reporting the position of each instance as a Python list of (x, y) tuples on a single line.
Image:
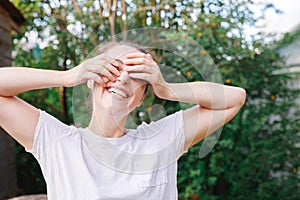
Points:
[(50, 131), (166, 128), (171, 121), (49, 122)]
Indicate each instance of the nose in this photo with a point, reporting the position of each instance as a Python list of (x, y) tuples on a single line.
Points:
[(124, 77)]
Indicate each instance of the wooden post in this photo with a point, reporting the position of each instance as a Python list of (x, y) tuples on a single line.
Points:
[(10, 19)]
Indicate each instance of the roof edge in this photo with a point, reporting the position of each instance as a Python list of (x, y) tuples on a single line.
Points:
[(14, 13)]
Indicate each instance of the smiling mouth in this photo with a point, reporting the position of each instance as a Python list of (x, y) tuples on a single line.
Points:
[(118, 92)]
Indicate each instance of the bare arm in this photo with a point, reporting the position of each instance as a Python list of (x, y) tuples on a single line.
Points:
[(19, 118), (15, 80), (208, 95), (216, 104)]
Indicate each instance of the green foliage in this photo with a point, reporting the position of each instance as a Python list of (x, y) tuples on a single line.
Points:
[(256, 156)]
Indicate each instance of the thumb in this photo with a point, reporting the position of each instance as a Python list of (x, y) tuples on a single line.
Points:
[(149, 56), (90, 84)]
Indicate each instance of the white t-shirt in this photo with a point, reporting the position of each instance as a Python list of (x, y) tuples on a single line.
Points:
[(78, 164)]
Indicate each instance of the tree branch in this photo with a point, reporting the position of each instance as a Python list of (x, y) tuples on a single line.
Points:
[(100, 12), (111, 7), (124, 19), (77, 7)]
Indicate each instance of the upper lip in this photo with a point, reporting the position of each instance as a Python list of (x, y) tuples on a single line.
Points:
[(119, 88)]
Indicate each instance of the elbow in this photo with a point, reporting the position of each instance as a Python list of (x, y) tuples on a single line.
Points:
[(242, 97), (5, 94)]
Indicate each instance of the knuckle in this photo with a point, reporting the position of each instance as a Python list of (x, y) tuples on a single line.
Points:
[(105, 58), (106, 65), (111, 67), (101, 70), (105, 72)]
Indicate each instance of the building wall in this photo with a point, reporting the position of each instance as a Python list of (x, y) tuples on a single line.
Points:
[(291, 54), (5, 39), (8, 177)]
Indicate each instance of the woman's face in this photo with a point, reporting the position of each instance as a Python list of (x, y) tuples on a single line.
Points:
[(124, 94)]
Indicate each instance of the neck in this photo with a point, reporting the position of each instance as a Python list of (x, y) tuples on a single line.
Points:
[(107, 124)]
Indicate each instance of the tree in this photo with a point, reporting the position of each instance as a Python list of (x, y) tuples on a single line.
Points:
[(256, 156)]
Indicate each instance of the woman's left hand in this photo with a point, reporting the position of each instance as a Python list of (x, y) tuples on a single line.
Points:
[(142, 66)]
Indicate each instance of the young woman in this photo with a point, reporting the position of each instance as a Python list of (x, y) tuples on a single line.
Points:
[(105, 160)]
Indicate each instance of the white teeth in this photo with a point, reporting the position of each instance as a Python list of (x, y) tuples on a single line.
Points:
[(116, 91)]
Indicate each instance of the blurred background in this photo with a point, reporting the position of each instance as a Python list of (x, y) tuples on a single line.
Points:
[(254, 44)]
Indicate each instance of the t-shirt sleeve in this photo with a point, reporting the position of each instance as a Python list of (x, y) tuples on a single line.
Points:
[(48, 131), (167, 132)]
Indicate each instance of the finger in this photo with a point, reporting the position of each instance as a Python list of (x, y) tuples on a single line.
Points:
[(149, 56), (103, 71), (112, 64), (105, 57), (110, 59), (105, 79), (94, 77), (135, 55), (138, 68), (135, 61), (113, 69), (106, 73), (142, 76), (118, 64)]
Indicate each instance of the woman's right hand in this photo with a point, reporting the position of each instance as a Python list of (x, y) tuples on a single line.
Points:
[(19, 118), (97, 69)]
